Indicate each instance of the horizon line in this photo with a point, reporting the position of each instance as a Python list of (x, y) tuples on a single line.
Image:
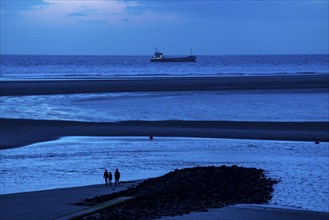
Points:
[(292, 54)]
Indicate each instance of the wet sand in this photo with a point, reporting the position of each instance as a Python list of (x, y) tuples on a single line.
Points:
[(16, 132), (21, 132), (52, 204), (55, 203), (150, 84), (253, 212)]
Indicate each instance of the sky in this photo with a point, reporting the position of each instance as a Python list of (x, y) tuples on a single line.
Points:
[(122, 27)]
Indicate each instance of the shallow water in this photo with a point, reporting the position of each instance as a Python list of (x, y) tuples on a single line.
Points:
[(257, 105), (302, 167)]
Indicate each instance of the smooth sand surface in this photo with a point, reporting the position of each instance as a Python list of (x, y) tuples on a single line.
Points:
[(253, 212), (21, 132), (50, 204), (16, 133), (55, 203), (149, 84)]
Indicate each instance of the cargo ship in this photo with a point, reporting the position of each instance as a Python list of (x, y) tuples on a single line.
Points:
[(159, 57)]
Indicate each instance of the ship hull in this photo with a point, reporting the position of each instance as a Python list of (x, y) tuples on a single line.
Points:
[(180, 59)]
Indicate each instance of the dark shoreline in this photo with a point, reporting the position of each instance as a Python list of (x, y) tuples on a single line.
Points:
[(157, 84), (21, 132), (53, 203)]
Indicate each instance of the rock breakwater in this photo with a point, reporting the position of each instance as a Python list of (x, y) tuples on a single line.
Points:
[(186, 190)]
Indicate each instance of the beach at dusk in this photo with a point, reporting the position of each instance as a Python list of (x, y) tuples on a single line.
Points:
[(158, 84), (43, 130), (172, 110), (16, 133)]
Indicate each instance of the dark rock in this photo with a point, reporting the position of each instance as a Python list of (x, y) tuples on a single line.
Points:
[(192, 189)]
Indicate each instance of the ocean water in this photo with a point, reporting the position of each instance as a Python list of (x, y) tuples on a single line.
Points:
[(27, 67), (301, 167), (258, 105)]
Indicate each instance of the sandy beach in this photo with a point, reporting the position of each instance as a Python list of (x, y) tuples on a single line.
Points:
[(21, 132), (43, 87), (17, 132), (252, 212), (191, 109), (52, 204)]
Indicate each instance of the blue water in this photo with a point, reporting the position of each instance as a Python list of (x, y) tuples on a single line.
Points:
[(301, 166), (27, 67), (301, 105)]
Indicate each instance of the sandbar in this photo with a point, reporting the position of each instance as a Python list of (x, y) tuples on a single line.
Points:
[(21, 132), (157, 84)]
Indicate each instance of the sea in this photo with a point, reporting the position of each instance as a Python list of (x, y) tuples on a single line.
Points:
[(302, 167), (50, 67)]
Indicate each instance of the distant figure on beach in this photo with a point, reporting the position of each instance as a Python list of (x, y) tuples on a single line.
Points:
[(106, 176), (117, 177), (110, 179), (151, 137)]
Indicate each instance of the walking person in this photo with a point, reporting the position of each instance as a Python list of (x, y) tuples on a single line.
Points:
[(117, 177), (106, 176), (110, 179)]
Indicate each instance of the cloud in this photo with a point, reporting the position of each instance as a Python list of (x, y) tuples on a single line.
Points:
[(110, 12), (17, 5), (244, 9), (77, 14), (13, 8), (93, 22), (108, 26), (136, 9)]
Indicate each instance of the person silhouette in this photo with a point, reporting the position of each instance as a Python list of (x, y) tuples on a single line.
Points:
[(110, 179), (117, 177), (106, 176)]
